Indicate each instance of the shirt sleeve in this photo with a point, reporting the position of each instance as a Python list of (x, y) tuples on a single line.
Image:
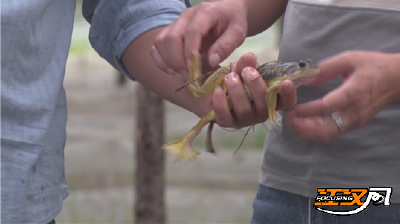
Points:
[(115, 24)]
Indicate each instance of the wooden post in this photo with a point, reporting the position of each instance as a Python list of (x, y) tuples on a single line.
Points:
[(149, 203)]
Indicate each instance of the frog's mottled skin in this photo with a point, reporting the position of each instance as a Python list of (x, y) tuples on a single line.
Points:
[(299, 72), (273, 73)]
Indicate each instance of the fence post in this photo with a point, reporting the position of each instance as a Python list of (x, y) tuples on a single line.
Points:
[(149, 192)]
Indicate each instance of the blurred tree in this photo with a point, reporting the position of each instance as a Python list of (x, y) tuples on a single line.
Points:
[(149, 203)]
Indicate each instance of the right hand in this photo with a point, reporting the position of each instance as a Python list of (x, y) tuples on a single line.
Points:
[(215, 28)]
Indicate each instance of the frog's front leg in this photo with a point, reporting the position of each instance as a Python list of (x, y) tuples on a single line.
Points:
[(203, 89), (271, 98)]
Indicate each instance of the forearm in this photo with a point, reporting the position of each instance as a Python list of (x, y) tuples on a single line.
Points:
[(140, 65)]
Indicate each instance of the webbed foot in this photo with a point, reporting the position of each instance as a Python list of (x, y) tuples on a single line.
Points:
[(182, 147)]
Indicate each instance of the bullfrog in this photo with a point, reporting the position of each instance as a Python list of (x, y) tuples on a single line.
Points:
[(273, 73)]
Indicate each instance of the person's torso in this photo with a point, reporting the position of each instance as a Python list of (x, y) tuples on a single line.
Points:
[(367, 157), (35, 40)]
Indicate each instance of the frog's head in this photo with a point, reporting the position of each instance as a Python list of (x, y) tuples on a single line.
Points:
[(301, 72)]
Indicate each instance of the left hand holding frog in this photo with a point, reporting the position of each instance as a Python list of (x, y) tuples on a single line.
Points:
[(371, 80)]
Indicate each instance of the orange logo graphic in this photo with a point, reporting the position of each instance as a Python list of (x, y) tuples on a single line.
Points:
[(351, 197)]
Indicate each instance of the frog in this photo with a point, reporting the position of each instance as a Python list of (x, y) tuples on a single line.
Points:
[(273, 73)]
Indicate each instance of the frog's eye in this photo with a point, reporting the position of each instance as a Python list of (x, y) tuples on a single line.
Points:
[(309, 61), (302, 64)]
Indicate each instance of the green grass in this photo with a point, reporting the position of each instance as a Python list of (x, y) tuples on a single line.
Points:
[(80, 35)]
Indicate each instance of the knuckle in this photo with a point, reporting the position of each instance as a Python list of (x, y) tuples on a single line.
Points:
[(170, 38), (239, 33), (225, 49), (159, 40)]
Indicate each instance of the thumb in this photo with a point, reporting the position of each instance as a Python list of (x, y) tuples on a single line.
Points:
[(232, 38)]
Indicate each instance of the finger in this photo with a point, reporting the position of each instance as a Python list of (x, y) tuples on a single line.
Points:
[(198, 29), (233, 66), (240, 100), (332, 67), (159, 61), (317, 128), (287, 95), (257, 88), (174, 53), (338, 99), (223, 115), (248, 59), (169, 45), (232, 38)]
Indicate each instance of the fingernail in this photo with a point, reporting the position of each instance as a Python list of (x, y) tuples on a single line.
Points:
[(170, 71), (231, 77), (214, 59), (248, 71)]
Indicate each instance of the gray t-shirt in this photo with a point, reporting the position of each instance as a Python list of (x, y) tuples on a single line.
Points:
[(35, 40), (367, 157)]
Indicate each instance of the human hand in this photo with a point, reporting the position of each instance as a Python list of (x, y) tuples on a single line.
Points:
[(241, 113), (370, 81), (214, 27)]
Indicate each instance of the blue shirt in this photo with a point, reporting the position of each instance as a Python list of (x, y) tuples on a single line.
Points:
[(35, 40)]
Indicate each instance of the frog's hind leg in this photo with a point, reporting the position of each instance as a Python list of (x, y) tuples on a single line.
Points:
[(183, 147), (271, 98)]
